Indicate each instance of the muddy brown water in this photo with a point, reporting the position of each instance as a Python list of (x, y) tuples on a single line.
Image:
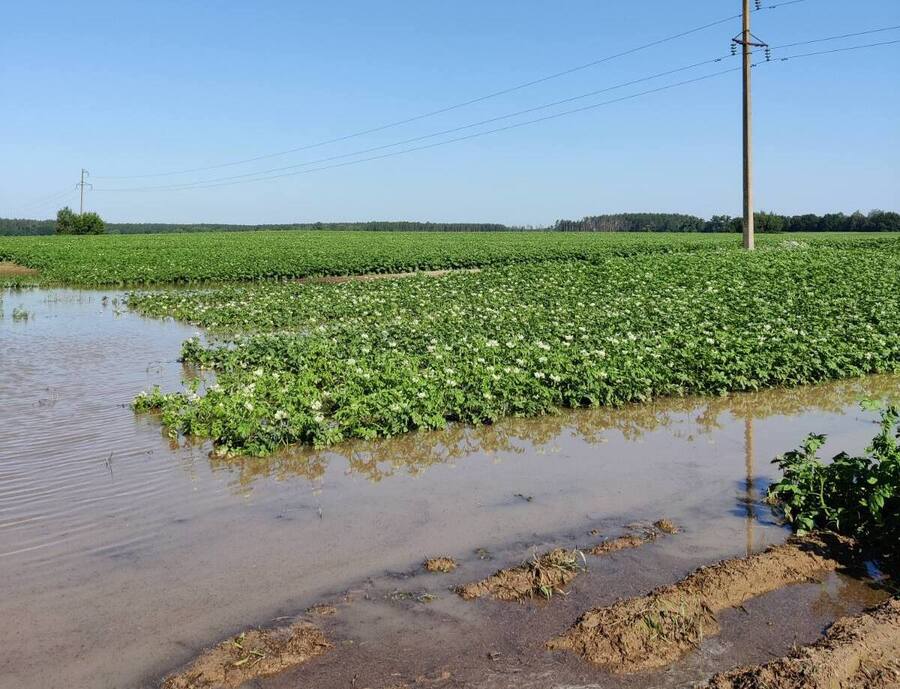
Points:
[(121, 555)]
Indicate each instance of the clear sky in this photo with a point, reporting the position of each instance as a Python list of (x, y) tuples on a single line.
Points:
[(132, 88)]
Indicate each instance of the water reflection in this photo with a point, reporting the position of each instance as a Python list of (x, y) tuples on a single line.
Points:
[(413, 453)]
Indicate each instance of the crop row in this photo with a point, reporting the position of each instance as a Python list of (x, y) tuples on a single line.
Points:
[(316, 363), (269, 255)]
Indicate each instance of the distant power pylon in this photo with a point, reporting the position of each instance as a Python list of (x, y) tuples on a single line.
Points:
[(83, 184), (748, 41)]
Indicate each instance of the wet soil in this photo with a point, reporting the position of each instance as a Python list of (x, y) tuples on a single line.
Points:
[(857, 652), (543, 575), (10, 269), (653, 630), (249, 655), (550, 573), (441, 565)]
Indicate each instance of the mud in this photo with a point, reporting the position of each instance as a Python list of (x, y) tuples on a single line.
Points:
[(440, 565), (656, 629), (9, 269), (666, 526), (635, 540), (856, 652), (541, 576), (250, 655)]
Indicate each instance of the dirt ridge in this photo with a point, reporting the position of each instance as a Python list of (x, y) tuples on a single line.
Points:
[(858, 651), (653, 630), (252, 654)]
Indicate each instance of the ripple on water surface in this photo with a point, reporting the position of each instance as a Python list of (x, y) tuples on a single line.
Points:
[(120, 552)]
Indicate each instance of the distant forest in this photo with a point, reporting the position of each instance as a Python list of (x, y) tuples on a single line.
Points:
[(19, 226), (875, 221)]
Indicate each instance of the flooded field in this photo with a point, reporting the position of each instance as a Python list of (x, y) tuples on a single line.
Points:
[(122, 556)]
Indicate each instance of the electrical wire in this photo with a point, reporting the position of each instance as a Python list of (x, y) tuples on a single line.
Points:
[(433, 134), (835, 38), (515, 125), (449, 141), (838, 50), (201, 183), (446, 109), (42, 200)]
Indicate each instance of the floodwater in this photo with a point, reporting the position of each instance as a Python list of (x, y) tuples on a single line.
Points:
[(122, 555)]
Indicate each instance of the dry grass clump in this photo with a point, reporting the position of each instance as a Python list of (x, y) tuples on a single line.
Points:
[(441, 565), (252, 654), (543, 575)]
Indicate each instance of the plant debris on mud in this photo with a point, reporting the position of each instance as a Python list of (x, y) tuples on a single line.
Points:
[(635, 540), (856, 652), (653, 630), (543, 575), (256, 653), (441, 565)]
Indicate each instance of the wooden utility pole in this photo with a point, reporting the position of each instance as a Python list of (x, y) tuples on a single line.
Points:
[(748, 41), (748, 134), (81, 184)]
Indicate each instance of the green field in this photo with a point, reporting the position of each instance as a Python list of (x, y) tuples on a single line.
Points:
[(151, 259), (319, 363)]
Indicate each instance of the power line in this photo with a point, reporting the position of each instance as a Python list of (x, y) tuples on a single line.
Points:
[(42, 200), (835, 38), (202, 183), (511, 126), (450, 108), (433, 134), (448, 141), (52, 203), (838, 50)]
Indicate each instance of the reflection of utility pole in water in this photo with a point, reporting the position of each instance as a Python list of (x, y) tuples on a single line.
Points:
[(750, 497)]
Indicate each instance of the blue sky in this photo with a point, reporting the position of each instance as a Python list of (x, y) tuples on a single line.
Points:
[(127, 88)]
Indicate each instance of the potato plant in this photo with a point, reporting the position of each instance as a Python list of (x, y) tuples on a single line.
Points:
[(858, 496), (315, 363), (155, 259)]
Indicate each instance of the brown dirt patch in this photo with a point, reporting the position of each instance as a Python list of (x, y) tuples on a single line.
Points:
[(653, 630), (612, 545), (10, 269), (336, 279), (647, 535), (323, 610), (856, 652), (440, 565), (256, 653), (540, 576), (666, 526)]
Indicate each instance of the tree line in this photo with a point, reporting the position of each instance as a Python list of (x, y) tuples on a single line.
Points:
[(875, 221), (24, 226)]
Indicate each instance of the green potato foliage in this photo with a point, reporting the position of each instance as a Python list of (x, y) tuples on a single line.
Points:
[(856, 496), (319, 363), (156, 259)]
